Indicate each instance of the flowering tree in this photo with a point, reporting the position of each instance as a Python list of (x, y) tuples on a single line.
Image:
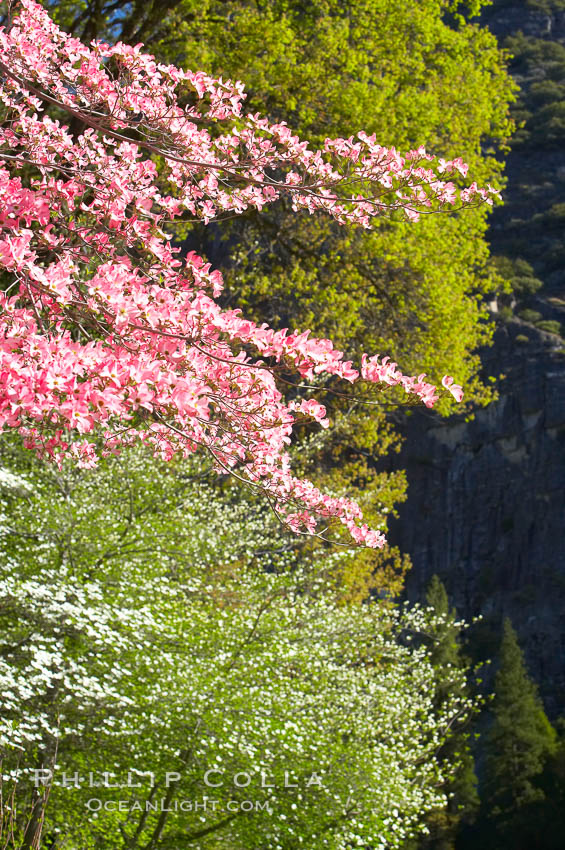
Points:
[(304, 722), (105, 332)]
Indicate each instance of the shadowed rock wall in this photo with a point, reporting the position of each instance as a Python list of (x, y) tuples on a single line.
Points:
[(486, 505), (486, 500)]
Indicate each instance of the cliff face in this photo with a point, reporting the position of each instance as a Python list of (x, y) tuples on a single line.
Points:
[(486, 500), (508, 16), (531, 222), (486, 505)]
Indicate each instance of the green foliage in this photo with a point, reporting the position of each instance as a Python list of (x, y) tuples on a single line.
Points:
[(414, 293), (455, 757), (550, 326), (331, 68), (551, 813), (505, 314), (547, 6), (521, 736), (152, 624), (446, 649), (531, 224), (531, 316), (519, 274), (518, 745)]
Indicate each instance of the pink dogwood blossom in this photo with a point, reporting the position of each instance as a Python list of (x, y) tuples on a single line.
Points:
[(108, 335)]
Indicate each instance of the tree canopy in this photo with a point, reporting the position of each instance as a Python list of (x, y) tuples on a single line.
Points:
[(159, 644), (331, 68), (518, 745), (421, 70)]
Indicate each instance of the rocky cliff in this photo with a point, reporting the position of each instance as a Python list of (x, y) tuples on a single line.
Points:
[(486, 502), (486, 505)]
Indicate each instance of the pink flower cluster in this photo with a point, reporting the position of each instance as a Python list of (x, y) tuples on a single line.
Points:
[(106, 332), (386, 372)]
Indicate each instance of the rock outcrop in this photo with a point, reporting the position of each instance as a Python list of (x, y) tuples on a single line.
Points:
[(486, 504), (486, 501)]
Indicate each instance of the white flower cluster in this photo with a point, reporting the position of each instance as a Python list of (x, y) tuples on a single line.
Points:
[(147, 632)]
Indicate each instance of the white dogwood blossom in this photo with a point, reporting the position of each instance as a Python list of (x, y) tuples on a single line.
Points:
[(170, 669)]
